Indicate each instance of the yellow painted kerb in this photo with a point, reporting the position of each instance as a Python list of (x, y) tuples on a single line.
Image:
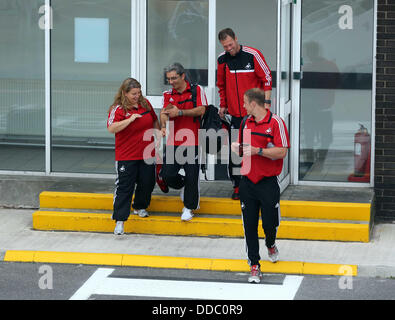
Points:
[(199, 226), (233, 265), (211, 205)]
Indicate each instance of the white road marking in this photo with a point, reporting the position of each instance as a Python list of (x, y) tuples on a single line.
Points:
[(90, 286), (99, 283)]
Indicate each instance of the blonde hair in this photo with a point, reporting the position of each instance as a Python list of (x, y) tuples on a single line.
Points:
[(121, 100)]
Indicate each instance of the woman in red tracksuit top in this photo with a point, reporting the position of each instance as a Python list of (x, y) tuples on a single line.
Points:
[(131, 118)]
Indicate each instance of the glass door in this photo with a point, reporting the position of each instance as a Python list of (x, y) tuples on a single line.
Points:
[(254, 23), (186, 32), (335, 112), (284, 79), (176, 31)]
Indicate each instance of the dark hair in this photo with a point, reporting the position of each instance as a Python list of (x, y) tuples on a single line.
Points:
[(257, 95), (177, 67), (225, 33)]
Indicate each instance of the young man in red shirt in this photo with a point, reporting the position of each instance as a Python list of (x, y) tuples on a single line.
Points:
[(182, 147), (263, 143), (239, 68)]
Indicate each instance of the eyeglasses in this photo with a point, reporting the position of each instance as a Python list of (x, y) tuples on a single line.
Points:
[(172, 78)]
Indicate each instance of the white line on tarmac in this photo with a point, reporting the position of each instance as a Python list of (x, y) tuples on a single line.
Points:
[(90, 286), (99, 283)]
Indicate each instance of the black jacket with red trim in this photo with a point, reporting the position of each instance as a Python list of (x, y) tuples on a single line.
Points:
[(237, 74)]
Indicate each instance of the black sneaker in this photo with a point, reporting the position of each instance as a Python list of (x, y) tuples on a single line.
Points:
[(235, 195)]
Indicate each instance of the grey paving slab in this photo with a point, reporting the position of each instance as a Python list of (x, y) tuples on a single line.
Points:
[(376, 258)]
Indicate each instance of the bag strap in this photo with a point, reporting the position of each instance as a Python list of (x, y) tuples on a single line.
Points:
[(243, 122), (193, 91), (194, 94)]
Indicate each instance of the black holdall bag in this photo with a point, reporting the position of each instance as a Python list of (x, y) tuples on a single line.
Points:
[(210, 123)]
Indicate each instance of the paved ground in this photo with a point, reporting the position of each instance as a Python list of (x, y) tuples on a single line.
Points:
[(376, 258)]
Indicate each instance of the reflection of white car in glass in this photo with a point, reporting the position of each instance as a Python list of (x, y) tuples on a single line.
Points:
[(27, 119), (79, 126), (81, 131)]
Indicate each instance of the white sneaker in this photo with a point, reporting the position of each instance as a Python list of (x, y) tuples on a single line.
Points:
[(187, 214), (256, 274), (119, 228), (273, 253), (142, 213)]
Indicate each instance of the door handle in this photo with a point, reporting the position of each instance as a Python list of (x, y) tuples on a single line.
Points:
[(298, 75)]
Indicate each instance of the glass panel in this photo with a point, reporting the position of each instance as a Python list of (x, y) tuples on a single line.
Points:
[(90, 56), (255, 25), (177, 31), (22, 94), (336, 90)]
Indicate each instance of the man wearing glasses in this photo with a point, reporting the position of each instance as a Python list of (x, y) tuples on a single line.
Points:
[(182, 149)]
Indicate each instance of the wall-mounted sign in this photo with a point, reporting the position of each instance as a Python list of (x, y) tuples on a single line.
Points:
[(91, 40)]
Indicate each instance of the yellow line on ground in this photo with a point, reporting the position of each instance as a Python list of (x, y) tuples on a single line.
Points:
[(233, 265)]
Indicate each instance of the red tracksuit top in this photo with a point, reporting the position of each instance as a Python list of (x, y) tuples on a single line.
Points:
[(237, 74), (184, 130), (271, 131), (130, 143)]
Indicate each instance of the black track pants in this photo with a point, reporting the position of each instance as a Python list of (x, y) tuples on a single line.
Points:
[(132, 174), (190, 182), (235, 178), (265, 197)]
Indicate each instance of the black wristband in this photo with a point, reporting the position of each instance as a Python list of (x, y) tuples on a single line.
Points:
[(267, 101)]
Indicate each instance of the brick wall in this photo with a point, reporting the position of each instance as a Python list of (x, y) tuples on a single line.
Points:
[(385, 112)]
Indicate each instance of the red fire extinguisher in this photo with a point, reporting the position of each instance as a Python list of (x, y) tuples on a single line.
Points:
[(361, 156)]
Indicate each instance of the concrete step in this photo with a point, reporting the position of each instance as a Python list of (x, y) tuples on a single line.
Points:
[(217, 217), (212, 205), (200, 225)]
